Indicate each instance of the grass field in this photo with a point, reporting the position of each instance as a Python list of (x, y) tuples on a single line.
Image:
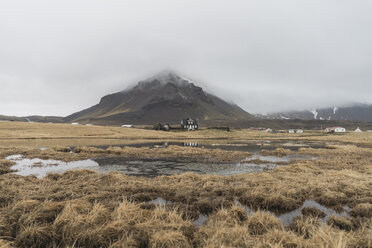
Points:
[(87, 209)]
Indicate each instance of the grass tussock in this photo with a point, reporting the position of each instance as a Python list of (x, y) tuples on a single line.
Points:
[(313, 212), (278, 152), (343, 223), (5, 166), (362, 210)]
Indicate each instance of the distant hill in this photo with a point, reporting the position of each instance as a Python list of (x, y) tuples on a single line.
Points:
[(355, 112), (165, 97), (33, 118)]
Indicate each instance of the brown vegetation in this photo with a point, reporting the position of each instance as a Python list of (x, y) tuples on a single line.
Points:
[(173, 153), (278, 152), (87, 209)]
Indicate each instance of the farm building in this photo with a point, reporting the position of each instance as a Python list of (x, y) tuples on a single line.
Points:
[(161, 126), (358, 130), (335, 130), (295, 131), (189, 124), (128, 126)]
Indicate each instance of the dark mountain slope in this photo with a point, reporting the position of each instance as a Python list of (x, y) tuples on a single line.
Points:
[(166, 97)]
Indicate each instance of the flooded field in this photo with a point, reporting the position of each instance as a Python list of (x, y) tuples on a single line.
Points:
[(150, 167)]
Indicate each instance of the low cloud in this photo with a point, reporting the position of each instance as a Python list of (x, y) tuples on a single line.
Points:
[(59, 57)]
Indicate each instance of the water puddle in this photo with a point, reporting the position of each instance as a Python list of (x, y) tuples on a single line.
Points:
[(288, 218), (275, 159), (201, 220), (257, 162), (159, 202), (40, 168), (153, 168)]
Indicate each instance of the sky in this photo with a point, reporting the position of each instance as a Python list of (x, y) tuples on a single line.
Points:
[(58, 57)]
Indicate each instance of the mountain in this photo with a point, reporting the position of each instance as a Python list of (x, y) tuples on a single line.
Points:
[(165, 97), (354, 112)]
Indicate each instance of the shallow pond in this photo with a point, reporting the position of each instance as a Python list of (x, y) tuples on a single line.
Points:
[(153, 168), (147, 168), (40, 168)]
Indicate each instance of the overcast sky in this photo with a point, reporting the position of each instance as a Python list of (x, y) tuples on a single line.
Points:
[(58, 57)]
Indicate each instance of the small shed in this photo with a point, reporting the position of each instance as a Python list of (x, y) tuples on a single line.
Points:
[(358, 130), (299, 131), (162, 127)]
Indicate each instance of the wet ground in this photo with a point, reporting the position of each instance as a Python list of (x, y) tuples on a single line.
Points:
[(253, 146), (285, 218), (147, 168), (153, 168)]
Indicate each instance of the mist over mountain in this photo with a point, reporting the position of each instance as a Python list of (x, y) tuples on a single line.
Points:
[(352, 112), (165, 97)]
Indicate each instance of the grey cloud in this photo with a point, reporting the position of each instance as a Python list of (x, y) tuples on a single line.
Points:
[(57, 57)]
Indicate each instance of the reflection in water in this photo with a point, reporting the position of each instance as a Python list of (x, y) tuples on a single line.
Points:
[(40, 168), (190, 144)]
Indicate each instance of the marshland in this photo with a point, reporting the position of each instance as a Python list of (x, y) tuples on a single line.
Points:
[(298, 190)]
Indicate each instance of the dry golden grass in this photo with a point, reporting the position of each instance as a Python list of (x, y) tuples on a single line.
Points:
[(174, 153), (34, 134), (86, 209)]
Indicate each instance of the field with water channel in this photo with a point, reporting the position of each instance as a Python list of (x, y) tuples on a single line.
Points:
[(80, 186)]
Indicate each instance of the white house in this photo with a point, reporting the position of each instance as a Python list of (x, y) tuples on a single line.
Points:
[(335, 130), (358, 130), (128, 126), (295, 131)]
